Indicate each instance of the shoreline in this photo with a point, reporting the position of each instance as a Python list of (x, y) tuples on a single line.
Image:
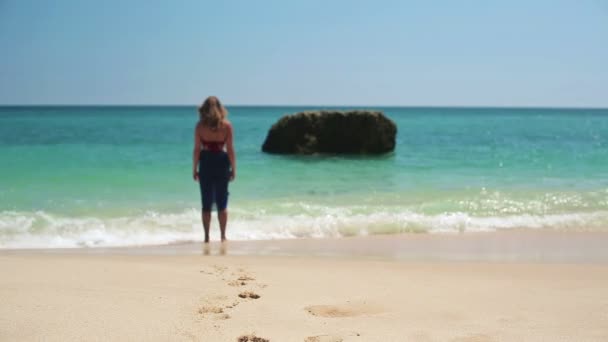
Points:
[(501, 246)]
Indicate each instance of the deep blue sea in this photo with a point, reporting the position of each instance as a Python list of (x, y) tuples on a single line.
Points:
[(115, 176)]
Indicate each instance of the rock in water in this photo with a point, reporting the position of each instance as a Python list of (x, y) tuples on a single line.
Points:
[(334, 132)]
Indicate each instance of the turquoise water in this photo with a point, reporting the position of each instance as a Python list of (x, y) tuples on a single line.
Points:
[(105, 176)]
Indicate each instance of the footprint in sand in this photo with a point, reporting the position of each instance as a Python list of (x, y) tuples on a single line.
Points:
[(222, 316), (215, 312), (242, 280), (233, 305), (216, 270), (252, 338), (249, 294), (210, 309), (220, 269), (346, 310), (213, 308), (237, 283)]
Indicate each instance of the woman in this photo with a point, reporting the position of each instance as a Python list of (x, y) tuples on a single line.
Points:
[(214, 157)]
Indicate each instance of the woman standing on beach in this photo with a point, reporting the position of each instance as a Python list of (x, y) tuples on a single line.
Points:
[(213, 161)]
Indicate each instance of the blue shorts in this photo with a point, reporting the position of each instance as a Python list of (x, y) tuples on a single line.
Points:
[(214, 175)]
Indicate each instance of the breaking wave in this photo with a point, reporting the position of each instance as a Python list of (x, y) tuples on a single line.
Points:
[(42, 229)]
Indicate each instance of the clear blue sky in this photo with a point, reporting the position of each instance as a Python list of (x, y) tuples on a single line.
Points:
[(324, 52)]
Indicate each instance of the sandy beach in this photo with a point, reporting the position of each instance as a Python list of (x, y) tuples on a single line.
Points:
[(366, 171), (130, 294)]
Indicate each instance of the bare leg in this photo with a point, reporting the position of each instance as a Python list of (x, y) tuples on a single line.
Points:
[(206, 223), (222, 216)]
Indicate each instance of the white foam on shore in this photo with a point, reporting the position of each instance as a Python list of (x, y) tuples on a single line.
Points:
[(44, 230)]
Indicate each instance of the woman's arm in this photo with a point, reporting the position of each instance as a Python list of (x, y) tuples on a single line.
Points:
[(196, 153), (230, 150)]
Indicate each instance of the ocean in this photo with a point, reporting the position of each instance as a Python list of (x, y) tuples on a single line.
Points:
[(101, 176)]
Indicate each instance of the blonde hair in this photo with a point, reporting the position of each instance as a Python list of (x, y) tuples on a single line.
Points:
[(211, 113)]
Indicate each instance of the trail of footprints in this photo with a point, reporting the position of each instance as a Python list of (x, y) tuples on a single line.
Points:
[(243, 280), (240, 279)]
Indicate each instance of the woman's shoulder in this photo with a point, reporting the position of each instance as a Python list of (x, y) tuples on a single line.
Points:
[(227, 124)]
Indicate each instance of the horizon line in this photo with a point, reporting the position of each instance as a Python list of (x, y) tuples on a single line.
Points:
[(315, 106)]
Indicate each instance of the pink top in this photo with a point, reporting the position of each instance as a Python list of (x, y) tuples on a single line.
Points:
[(214, 146)]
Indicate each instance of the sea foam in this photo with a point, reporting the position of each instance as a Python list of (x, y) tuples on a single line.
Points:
[(45, 230)]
